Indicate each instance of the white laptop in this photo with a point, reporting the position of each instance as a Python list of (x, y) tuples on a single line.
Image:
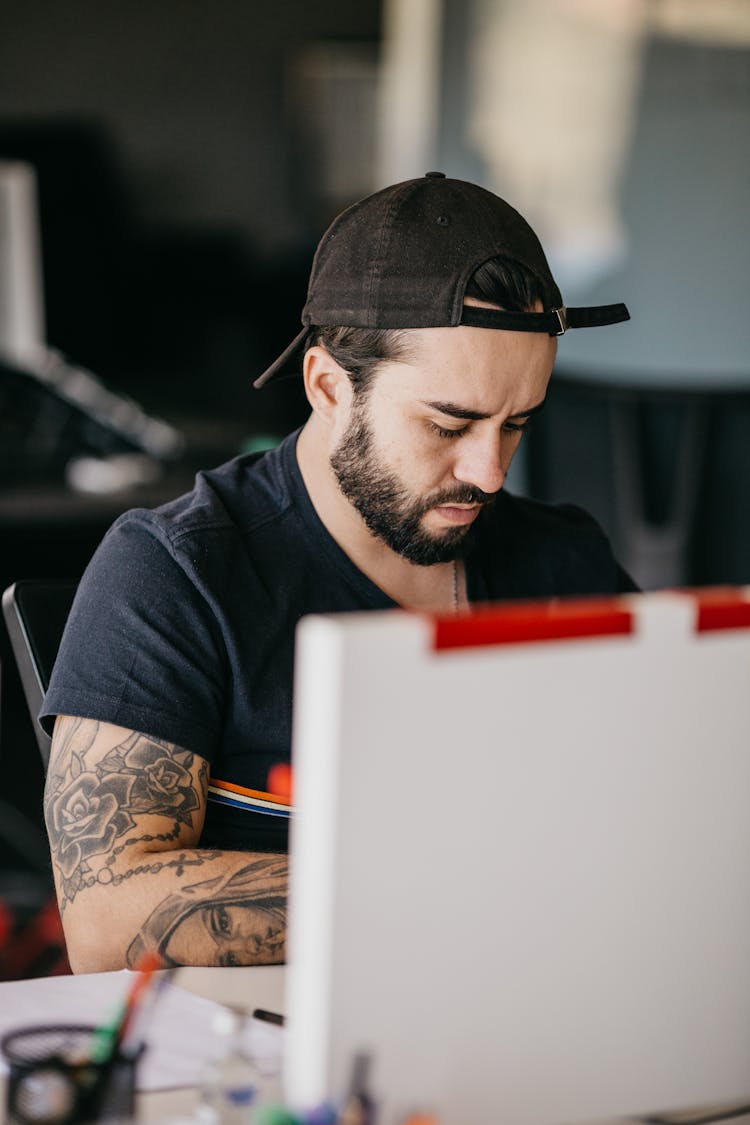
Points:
[(521, 859)]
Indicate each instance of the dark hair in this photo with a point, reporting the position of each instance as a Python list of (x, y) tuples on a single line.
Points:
[(360, 350), (501, 281), (508, 283)]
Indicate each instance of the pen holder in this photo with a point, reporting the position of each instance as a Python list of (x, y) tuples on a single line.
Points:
[(54, 1080)]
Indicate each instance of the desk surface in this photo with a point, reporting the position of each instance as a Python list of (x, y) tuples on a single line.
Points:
[(247, 988), (259, 987)]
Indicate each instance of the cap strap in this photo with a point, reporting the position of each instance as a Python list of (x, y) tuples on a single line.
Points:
[(554, 322), (287, 354), (594, 316)]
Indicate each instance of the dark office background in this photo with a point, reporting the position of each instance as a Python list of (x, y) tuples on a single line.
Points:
[(185, 173), (180, 195)]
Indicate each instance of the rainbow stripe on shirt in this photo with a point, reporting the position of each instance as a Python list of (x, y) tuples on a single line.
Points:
[(252, 800)]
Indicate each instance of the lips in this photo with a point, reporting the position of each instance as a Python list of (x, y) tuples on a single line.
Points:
[(456, 515)]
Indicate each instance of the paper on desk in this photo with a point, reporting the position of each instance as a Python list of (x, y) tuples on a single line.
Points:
[(179, 1041)]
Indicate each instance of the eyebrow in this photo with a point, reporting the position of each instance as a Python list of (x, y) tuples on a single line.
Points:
[(456, 411)]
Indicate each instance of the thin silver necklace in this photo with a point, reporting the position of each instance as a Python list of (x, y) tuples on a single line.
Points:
[(455, 586)]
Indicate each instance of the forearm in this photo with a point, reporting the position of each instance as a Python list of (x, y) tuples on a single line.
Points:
[(190, 906), (124, 814)]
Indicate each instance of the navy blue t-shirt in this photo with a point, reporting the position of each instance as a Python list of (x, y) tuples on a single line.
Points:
[(183, 624)]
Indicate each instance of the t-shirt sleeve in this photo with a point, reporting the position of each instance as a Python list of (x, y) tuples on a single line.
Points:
[(142, 647), (624, 584), (541, 550), (589, 555)]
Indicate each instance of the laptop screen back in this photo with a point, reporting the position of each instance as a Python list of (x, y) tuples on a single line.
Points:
[(520, 859)]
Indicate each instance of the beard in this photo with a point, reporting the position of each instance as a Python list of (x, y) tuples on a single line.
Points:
[(387, 507)]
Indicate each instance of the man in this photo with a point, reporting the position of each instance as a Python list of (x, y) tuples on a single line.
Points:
[(429, 337)]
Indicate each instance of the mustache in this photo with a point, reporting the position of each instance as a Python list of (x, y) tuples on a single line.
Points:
[(462, 494)]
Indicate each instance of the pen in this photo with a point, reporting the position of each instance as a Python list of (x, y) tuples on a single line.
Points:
[(108, 1036), (132, 1038), (268, 1017), (359, 1108)]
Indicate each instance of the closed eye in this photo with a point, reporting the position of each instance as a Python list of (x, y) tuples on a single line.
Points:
[(444, 432), (517, 427)]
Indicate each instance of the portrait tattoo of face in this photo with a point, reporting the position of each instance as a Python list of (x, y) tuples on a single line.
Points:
[(387, 507), (238, 919)]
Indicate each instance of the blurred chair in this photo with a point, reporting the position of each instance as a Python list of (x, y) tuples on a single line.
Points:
[(35, 613), (32, 942)]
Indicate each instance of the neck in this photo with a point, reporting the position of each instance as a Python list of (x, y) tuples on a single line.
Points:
[(409, 585)]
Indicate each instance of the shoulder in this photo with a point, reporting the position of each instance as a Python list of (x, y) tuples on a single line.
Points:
[(547, 521), (226, 503), (241, 494), (535, 549)]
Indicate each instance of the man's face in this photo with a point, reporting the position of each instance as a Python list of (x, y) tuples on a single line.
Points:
[(431, 441)]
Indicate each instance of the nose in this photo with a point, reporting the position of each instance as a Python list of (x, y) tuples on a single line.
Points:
[(481, 464)]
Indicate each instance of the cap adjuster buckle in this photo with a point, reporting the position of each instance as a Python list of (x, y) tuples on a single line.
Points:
[(562, 320)]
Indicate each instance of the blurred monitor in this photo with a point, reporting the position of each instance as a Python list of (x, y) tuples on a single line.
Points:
[(22, 330)]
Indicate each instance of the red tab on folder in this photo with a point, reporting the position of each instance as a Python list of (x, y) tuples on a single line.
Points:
[(534, 621), (721, 608)]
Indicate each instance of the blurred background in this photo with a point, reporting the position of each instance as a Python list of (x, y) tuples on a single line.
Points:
[(166, 170)]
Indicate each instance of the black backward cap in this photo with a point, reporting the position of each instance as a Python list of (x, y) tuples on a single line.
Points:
[(402, 258)]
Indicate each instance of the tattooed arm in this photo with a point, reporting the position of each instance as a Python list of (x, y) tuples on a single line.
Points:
[(124, 813)]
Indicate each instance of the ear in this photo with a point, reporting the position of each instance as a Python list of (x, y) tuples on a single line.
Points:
[(327, 385)]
